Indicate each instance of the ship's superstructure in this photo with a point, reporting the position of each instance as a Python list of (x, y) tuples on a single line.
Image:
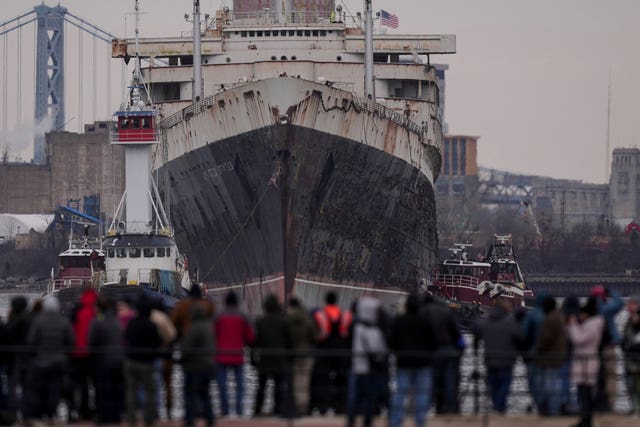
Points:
[(139, 247), (285, 176)]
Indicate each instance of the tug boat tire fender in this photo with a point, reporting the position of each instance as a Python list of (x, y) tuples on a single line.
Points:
[(484, 287), (497, 290)]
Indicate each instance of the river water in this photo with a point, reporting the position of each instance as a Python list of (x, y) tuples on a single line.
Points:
[(518, 402)]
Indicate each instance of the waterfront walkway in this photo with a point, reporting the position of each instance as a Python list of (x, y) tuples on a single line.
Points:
[(439, 421)]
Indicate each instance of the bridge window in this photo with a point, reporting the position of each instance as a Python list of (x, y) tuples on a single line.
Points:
[(111, 253), (134, 252), (146, 123), (135, 123), (124, 124), (168, 250), (149, 252), (160, 252), (121, 253)]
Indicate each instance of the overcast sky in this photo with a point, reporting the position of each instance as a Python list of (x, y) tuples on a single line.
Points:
[(529, 77)]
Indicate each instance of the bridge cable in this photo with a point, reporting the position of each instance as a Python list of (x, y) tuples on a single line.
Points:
[(80, 82), (19, 71), (94, 107), (5, 60)]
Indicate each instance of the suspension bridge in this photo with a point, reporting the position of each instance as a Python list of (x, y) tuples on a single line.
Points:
[(57, 75)]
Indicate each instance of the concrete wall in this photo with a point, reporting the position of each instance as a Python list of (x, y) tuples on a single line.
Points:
[(25, 188), (78, 165)]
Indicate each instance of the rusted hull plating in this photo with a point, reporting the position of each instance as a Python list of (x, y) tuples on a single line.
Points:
[(291, 208)]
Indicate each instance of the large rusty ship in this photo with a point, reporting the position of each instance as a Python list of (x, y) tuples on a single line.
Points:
[(299, 149)]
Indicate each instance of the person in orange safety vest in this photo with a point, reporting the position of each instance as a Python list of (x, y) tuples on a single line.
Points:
[(330, 373)]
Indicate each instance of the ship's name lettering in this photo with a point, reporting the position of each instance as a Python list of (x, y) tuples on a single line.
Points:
[(218, 170)]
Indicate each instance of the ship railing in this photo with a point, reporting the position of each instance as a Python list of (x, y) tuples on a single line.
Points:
[(270, 17), (68, 282), (93, 242), (455, 280), (384, 112), (146, 135)]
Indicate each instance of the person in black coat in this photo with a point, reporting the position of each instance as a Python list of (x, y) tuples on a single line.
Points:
[(446, 361), (502, 338), (18, 324), (105, 345), (142, 346), (413, 342), (271, 356)]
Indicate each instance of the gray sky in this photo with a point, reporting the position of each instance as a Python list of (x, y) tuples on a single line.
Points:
[(530, 77)]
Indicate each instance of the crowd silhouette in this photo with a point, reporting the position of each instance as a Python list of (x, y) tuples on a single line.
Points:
[(112, 361)]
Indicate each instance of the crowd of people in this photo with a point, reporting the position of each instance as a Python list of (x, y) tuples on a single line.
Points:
[(109, 360)]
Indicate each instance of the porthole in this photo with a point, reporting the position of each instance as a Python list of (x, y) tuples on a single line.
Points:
[(339, 58)]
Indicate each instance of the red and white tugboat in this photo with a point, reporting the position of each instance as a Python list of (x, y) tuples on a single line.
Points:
[(80, 265), (474, 286)]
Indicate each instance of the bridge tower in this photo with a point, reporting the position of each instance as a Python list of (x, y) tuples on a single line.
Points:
[(49, 72)]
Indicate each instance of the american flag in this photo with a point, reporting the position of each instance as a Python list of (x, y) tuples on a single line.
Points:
[(388, 19)]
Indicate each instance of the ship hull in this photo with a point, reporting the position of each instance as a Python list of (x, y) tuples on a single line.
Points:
[(296, 208), (296, 203)]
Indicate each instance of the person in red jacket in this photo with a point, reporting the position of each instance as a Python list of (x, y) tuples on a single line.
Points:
[(233, 333), (81, 363)]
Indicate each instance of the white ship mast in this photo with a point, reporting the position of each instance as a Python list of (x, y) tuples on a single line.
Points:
[(136, 130)]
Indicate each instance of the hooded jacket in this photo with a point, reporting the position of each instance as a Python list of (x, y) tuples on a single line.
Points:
[(502, 338), (368, 338), (84, 315), (50, 335), (198, 344)]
